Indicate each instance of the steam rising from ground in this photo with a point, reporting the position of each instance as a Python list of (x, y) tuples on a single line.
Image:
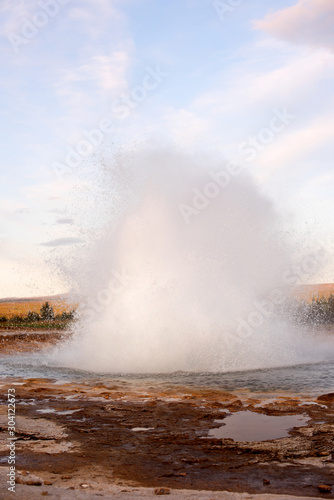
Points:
[(172, 288)]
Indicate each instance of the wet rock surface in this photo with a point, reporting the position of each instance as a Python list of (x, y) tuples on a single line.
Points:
[(88, 436)]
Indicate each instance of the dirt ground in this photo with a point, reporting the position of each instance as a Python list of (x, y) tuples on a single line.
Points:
[(79, 440)]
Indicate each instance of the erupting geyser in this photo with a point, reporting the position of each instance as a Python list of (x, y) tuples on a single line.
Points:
[(186, 276)]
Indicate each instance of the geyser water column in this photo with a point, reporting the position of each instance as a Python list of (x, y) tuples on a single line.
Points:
[(180, 265)]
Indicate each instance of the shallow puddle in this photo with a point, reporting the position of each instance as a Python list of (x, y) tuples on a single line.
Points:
[(142, 429), (52, 410), (251, 426)]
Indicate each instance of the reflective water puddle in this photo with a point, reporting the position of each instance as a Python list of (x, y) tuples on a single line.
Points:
[(251, 426), (142, 429)]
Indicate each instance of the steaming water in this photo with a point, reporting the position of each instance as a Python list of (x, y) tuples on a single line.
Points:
[(183, 281), (316, 378)]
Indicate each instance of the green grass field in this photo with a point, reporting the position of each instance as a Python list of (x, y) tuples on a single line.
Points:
[(14, 314)]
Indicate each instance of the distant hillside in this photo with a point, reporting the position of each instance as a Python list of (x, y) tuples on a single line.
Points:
[(30, 299), (21, 307), (307, 292)]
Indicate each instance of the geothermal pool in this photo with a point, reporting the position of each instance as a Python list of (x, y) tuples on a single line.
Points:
[(314, 378)]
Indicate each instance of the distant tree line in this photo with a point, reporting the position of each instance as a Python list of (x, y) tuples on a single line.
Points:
[(46, 314), (318, 312)]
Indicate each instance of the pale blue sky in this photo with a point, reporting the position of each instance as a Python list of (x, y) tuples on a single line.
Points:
[(226, 75)]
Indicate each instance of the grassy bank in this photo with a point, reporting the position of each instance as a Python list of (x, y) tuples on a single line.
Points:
[(36, 325)]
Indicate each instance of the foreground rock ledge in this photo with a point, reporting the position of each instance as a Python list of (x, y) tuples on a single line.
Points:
[(104, 440)]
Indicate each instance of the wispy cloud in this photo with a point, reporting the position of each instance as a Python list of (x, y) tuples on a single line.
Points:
[(105, 72), (85, 91), (62, 242), (65, 220), (297, 148), (13, 13), (97, 16), (248, 85), (307, 22)]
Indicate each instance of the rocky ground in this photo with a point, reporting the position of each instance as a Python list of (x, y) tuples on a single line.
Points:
[(79, 440)]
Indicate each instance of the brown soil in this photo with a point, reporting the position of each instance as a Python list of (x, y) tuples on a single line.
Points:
[(14, 341)]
